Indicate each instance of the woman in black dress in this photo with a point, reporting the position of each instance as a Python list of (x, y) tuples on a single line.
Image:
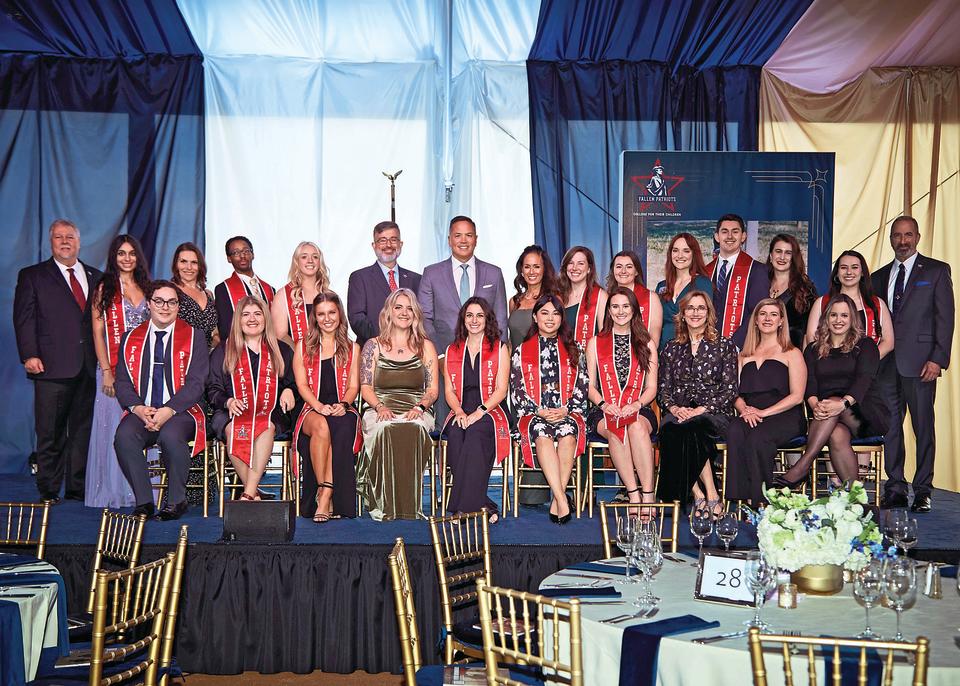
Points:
[(698, 384), (250, 386), (197, 308), (842, 365), (790, 284), (326, 367), (476, 375), (772, 380)]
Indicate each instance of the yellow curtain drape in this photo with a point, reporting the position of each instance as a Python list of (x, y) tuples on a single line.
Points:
[(896, 134)]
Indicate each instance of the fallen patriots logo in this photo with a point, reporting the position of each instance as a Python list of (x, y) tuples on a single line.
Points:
[(657, 187)]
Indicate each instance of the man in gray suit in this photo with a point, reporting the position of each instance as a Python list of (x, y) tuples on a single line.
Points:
[(919, 292), (369, 287)]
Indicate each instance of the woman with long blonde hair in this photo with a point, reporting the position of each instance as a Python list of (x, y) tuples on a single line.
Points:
[(326, 366), (293, 304), (772, 379), (399, 384), (250, 385)]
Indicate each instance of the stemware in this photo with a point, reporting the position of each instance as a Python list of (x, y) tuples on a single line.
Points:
[(701, 526), (908, 534), (893, 524), (649, 551), (761, 577), (626, 534), (899, 586), (727, 527), (868, 589)]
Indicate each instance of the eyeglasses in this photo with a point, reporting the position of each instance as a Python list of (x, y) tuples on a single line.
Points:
[(387, 241), (243, 251), (162, 304), (695, 309)]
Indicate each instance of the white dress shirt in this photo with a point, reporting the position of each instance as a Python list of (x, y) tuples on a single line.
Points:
[(731, 261), (894, 270), (386, 272), (79, 272), (458, 272)]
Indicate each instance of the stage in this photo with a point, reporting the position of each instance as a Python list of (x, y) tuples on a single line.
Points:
[(324, 601)]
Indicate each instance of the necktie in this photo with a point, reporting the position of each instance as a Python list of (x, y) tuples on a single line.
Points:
[(77, 290), (898, 288), (254, 287), (722, 278), (392, 281), (156, 382), (464, 285)]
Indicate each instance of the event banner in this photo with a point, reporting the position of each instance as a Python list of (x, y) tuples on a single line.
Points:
[(666, 193)]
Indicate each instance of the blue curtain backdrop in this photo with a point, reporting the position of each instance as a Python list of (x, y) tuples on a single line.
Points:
[(613, 75), (101, 121)]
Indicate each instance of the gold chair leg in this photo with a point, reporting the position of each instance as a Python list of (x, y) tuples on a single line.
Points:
[(222, 473), (516, 482)]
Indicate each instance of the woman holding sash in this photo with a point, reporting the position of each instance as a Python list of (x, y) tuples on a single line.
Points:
[(625, 270), (684, 272), (580, 293), (548, 389), (622, 362), (477, 374), (851, 277), (249, 386), (119, 305), (329, 381), (293, 303)]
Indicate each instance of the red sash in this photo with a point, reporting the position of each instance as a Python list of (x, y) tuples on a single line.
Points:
[(296, 315), (530, 366), (643, 300), (868, 316), (312, 367), (587, 315), (735, 299), (237, 289), (489, 368), (256, 418), (115, 325), (180, 358), (610, 384)]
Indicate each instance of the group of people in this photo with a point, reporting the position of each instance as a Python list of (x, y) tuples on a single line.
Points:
[(735, 350)]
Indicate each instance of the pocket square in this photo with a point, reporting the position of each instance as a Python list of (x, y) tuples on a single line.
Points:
[(489, 285)]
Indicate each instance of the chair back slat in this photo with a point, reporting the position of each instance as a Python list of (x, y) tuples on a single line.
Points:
[(25, 524), (118, 542), (406, 612), (668, 537)]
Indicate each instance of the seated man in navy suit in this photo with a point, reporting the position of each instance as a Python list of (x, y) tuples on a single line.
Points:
[(160, 383)]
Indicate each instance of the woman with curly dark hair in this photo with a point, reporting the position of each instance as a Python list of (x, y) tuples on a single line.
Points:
[(476, 375), (790, 284)]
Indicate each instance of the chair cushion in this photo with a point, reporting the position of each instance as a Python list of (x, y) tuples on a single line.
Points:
[(793, 443), (875, 441)]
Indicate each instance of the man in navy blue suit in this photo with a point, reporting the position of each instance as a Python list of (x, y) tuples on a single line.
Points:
[(51, 319), (369, 287)]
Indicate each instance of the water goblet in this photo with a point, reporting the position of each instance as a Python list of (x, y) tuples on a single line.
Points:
[(868, 589), (626, 534), (701, 526), (908, 534), (727, 527), (760, 578), (899, 586), (893, 523)]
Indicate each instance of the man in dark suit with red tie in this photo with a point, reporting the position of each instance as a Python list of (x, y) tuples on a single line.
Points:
[(918, 291), (51, 318)]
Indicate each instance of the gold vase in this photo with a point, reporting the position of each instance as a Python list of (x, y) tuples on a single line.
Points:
[(818, 579)]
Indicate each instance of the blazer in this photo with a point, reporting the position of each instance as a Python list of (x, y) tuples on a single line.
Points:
[(189, 394), (439, 297), (758, 288), (49, 325), (923, 323), (367, 290)]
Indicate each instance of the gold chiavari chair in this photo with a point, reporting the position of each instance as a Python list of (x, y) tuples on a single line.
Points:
[(207, 469), (669, 537), (918, 652), (446, 478), (279, 463), (118, 543), (461, 546), (25, 524), (406, 613), (512, 624), (519, 469), (870, 473), (173, 604)]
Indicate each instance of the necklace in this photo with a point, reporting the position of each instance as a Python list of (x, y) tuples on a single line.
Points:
[(400, 351)]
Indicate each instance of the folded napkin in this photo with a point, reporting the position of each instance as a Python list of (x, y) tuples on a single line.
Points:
[(850, 664), (949, 572), (602, 568), (11, 644), (641, 645), (36, 578), (601, 592)]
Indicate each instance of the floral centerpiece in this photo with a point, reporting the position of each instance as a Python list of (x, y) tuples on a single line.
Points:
[(796, 532)]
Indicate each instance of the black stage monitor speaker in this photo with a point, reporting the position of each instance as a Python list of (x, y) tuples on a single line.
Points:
[(263, 521)]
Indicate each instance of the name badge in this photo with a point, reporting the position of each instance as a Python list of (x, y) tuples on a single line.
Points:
[(722, 578)]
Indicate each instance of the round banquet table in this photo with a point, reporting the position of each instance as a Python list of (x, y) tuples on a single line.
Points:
[(31, 598), (727, 663)]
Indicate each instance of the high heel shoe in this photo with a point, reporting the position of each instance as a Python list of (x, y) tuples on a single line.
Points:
[(781, 481), (566, 518)]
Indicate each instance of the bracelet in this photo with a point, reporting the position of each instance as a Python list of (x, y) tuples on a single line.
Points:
[(376, 408), (421, 407), (347, 406), (482, 408), (601, 404)]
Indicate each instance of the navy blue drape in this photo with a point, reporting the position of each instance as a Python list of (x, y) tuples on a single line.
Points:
[(611, 75), (101, 122)]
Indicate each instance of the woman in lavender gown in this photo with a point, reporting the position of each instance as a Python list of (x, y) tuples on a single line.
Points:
[(119, 305)]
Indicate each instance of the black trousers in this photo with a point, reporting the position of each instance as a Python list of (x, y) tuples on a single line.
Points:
[(130, 440), (63, 413), (904, 392)]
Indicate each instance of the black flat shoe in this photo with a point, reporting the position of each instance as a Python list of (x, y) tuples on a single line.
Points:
[(172, 512), (146, 509)]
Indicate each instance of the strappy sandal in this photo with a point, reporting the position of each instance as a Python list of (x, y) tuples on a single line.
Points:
[(633, 511), (321, 517), (647, 513), (712, 506), (699, 505), (248, 498)]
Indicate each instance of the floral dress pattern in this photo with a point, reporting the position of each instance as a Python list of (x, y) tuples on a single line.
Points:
[(707, 379), (523, 404)]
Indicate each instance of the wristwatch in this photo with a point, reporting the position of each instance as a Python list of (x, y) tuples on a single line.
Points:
[(422, 408)]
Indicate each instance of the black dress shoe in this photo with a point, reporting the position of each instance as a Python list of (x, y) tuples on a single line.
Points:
[(51, 498), (145, 509), (172, 512), (921, 504), (891, 501), (73, 496)]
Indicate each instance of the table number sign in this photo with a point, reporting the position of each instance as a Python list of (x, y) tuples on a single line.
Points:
[(722, 578)]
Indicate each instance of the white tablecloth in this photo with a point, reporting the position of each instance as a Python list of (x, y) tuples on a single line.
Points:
[(38, 613), (682, 663)]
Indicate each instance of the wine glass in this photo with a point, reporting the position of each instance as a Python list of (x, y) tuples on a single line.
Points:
[(899, 586), (868, 589), (893, 524), (727, 527), (908, 534), (701, 526), (761, 577), (649, 554), (626, 534)]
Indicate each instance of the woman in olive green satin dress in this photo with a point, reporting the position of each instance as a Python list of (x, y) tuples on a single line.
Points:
[(398, 382)]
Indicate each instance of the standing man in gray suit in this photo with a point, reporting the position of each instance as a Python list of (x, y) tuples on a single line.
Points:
[(369, 287), (919, 292)]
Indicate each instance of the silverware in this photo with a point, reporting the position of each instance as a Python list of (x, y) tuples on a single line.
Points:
[(672, 558), (582, 576), (720, 637), (642, 614)]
